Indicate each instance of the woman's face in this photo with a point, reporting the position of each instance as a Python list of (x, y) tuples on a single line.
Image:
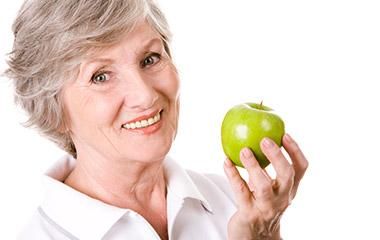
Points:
[(124, 103)]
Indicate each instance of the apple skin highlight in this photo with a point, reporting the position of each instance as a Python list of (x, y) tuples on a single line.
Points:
[(245, 125)]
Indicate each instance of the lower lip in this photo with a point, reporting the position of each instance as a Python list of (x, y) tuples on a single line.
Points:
[(150, 129)]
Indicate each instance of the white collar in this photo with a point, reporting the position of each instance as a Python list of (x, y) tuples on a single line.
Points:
[(88, 218), (180, 184)]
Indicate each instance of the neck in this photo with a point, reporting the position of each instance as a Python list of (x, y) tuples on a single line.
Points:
[(125, 184)]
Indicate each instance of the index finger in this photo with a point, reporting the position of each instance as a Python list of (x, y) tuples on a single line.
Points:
[(239, 186)]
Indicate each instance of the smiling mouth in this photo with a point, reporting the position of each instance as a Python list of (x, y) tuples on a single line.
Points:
[(144, 122)]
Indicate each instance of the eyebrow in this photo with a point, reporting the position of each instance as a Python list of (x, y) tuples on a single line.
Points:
[(152, 41), (99, 60), (146, 45)]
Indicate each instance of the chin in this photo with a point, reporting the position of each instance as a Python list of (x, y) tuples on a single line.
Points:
[(150, 152)]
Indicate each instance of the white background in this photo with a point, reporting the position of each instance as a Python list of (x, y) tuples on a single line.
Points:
[(315, 62)]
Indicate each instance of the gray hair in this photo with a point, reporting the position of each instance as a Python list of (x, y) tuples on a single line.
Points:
[(51, 37)]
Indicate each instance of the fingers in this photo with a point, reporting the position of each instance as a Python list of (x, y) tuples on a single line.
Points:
[(239, 186), (284, 170), (300, 163), (259, 181)]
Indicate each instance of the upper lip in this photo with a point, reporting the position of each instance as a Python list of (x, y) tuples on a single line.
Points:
[(145, 116)]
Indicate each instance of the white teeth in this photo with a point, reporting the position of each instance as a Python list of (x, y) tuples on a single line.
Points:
[(143, 123)]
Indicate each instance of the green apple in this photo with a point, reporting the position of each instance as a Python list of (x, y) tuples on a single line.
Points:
[(245, 125)]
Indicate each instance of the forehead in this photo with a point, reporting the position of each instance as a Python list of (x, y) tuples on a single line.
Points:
[(133, 42), (142, 33)]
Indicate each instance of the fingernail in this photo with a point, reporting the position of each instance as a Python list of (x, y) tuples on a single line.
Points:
[(288, 137), (267, 143), (246, 153)]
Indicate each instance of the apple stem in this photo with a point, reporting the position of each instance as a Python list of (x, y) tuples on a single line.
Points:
[(261, 104)]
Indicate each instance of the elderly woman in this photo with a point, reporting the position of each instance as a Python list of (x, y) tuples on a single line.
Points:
[(96, 77)]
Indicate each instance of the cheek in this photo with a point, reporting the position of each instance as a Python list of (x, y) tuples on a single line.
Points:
[(171, 86), (90, 111), (171, 91)]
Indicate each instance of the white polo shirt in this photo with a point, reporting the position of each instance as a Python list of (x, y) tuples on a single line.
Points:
[(198, 207)]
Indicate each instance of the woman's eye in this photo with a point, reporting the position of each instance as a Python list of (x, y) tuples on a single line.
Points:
[(100, 77), (152, 59)]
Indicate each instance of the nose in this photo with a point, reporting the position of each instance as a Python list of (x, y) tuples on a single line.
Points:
[(141, 93)]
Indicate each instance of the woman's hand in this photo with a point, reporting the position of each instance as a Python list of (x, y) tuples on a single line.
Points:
[(262, 200)]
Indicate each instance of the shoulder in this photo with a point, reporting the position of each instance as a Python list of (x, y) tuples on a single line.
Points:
[(212, 185)]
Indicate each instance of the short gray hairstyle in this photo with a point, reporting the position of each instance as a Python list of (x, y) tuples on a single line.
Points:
[(51, 36)]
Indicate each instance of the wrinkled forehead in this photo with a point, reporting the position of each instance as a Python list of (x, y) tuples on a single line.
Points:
[(138, 38)]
